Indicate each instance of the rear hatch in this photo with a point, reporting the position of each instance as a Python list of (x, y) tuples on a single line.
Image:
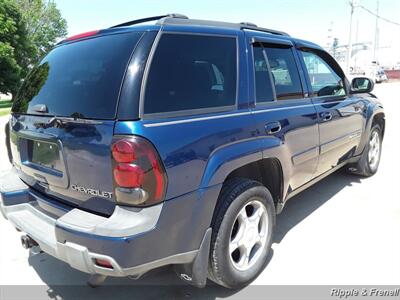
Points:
[(63, 120)]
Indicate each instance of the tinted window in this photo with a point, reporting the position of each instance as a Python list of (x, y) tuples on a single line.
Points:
[(191, 72), (80, 79), (262, 76), (284, 73), (325, 81)]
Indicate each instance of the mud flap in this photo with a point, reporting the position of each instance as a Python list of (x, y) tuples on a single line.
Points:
[(196, 272)]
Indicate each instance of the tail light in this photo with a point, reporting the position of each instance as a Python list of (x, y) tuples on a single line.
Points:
[(139, 176)]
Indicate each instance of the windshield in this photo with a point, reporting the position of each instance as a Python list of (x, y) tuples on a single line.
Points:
[(80, 79)]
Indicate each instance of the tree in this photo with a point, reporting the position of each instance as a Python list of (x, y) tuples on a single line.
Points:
[(14, 46), (28, 30), (44, 23), (32, 86)]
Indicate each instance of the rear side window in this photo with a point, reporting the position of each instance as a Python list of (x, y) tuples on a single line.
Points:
[(262, 77), (191, 72), (284, 73), (80, 79)]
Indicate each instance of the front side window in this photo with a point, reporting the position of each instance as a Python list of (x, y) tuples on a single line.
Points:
[(325, 81), (284, 71), (190, 72)]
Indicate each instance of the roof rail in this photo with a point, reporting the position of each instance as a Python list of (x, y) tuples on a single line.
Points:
[(182, 19), (138, 21), (252, 26), (239, 26), (248, 24)]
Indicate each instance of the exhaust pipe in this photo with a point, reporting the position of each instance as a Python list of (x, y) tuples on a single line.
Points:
[(27, 242)]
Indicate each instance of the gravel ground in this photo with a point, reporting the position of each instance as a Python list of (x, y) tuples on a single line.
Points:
[(342, 231)]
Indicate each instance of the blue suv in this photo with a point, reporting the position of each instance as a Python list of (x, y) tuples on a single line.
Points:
[(177, 143)]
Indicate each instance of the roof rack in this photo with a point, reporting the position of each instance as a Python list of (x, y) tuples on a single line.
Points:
[(179, 19), (238, 26), (138, 21)]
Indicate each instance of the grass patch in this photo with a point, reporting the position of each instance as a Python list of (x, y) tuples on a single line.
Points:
[(5, 111), (5, 104)]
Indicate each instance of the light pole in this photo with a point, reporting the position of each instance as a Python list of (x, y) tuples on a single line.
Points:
[(350, 45), (376, 44)]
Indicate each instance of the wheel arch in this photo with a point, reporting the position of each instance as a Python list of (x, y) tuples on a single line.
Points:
[(267, 171), (379, 118), (375, 115), (249, 159)]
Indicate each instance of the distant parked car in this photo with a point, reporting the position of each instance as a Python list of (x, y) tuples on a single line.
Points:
[(380, 76), (375, 72)]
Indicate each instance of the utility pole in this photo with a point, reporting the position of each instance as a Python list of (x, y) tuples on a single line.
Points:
[(376, 44), (356, 44), (329, 44), (350, 45)]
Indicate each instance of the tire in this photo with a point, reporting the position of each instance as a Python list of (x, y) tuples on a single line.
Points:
[(241, 197), (367, 167)]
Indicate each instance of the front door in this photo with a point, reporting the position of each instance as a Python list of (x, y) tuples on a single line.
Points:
[(340, 116)]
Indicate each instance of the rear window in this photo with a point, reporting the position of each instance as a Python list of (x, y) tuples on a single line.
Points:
[(191, 72), (80, 79)]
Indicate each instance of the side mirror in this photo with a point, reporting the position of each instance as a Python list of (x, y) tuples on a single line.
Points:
[(361, 85)]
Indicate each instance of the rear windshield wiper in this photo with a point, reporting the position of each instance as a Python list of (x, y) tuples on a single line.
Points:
[(62, 121)]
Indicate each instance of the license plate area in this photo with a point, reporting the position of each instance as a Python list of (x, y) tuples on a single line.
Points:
[(44, 154), (41, 156)]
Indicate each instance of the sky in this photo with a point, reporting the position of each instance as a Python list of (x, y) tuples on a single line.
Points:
[(306, 19)]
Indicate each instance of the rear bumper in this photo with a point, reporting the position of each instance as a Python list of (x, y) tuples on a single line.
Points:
[(134, 241)]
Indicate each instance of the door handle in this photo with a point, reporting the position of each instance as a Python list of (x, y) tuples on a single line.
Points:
[(273, 127), (326, 116)]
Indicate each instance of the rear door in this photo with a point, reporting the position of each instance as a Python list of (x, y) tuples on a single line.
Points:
[(285, 116), (63, 120), (340, 116)]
